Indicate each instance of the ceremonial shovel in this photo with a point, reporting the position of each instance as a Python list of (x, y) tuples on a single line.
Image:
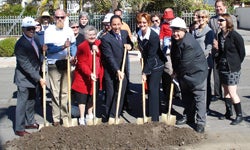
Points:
[(68, 122), (46, 123), (145, 119), (117, 120), (168, 118), (95, 120)]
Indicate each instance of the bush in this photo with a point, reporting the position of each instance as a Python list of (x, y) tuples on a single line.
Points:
[(7, 47)]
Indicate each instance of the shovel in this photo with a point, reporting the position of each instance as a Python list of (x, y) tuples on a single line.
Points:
[(95, 120), (168, 118), (46, 123), (145, 119), (117, 120), (68, 122)]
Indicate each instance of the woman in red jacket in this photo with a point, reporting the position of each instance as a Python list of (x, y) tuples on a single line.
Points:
[(84, 76)]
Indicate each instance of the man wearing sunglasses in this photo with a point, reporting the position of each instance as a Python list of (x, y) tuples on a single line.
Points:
[(27, 78), (59, 38)]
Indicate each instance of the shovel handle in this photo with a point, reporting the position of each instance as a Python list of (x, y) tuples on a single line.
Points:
[(69, 82), (94, 84), (143, 94), (44, 91), (170, 98), (120, 86)]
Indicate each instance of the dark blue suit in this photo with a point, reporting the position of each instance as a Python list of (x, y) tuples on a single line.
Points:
[(112, 52), (27, 77)]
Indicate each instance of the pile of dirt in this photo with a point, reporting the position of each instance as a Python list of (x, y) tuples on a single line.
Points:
[(122, 136)]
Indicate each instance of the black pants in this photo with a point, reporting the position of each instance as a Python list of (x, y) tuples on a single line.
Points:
[(111, 87)]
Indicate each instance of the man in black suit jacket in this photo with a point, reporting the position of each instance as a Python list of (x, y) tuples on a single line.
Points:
[(113, 44), (28, 64)]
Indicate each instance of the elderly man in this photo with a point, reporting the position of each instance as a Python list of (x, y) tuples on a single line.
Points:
[(27, 78), (59, 38)]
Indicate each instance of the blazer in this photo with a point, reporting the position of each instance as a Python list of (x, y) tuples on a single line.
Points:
[(82, 80), (234, 50), (113, 51), (188, 60), (152, 55), (28, 63)]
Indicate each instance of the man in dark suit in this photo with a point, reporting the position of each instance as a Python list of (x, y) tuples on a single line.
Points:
[(27, 78), (113, 44)]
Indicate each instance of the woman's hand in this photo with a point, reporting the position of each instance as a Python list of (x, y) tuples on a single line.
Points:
[(93, 76), (144, 77)]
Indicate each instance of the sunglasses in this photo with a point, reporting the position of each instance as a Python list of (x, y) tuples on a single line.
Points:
[(75, 27), (155, 20), (221, 20), (202, 17), (58, 17), (30, 28)]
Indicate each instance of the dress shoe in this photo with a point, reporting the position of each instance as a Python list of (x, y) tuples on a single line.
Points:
[(21, 133), (184, 120), (32, 126), (200, 128), (56, 124)]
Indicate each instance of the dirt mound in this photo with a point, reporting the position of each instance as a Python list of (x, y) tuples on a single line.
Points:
[(123, 136)]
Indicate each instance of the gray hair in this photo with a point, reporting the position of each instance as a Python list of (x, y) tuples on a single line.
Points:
[(83, 14), (73, 23), (89, 28)]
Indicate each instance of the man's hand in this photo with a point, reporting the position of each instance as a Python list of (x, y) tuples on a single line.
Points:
[(43, 83), (127, 46), (44, 47), (66, 44), (120, 75)]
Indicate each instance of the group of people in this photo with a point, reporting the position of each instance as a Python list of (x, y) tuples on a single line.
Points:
[(169, 52)]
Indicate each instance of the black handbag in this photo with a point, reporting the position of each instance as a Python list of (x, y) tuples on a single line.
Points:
[(61, 64)]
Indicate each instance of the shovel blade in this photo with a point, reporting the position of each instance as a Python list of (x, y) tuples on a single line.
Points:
[(115, 121), (69, 122), (143, 120), (139, 121), (97, 121), (168, 119)]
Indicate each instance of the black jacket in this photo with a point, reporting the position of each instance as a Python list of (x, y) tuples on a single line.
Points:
[(188, 60), (234, 50)]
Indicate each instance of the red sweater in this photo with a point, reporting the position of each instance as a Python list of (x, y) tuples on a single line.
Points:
[(82, 80)]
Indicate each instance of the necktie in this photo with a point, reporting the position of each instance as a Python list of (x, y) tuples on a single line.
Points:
[(118, 37), (35, 46)]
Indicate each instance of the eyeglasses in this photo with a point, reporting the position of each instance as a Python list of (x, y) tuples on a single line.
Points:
[(202, 17), (221, 20), (58, 17), (38, 24), (106, 24), (155, 20), (74, 27), (30, 28)]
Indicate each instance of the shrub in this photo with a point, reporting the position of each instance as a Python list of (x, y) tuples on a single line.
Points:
[(7, 47)]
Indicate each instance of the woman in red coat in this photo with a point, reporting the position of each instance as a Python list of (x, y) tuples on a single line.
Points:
[(84, 76)]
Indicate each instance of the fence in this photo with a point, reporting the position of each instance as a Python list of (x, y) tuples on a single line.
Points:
[(11, 25)]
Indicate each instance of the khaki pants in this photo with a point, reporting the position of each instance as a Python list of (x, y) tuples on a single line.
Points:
[(59, 89)]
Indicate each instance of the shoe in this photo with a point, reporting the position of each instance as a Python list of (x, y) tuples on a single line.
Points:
[(55, 124), (32, 126), (89, 117), (200, 128), (82, 121), (21, 133), (215, 98), (184, 120)]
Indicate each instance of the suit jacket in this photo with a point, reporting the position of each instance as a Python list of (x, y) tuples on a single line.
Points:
[(82, 81), (188, 60), (28, 63), (152, 55), (112, 52)]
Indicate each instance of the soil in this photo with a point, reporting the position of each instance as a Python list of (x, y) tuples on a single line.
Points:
[(122, 136)]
